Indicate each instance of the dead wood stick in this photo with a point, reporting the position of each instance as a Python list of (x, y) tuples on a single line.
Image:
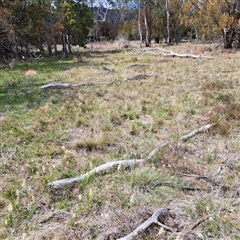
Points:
[(186, 55), (170, 53), (67, 182), (88, 84), (195, 132), (148, 223), (188, 230), (167, 184), (126, 163), (68, 85), (202, 176), (136, 77)]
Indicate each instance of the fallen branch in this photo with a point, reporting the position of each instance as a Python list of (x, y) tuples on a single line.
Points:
[(68, 85), (170, 53), (138, 65), (186, 55), (195, 132), (125, 163), (188, 230), (67, 182), (148, 223), (167, 184), (88, 84), (202, 176), (137, 77), (224, 71)]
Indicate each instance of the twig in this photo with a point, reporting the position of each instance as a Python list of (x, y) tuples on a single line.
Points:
[(167, 184), (136, 77), (202, 176), (223, 71), (195, 132), (68, 85), (137, 65), (148, 223), (184, 233)]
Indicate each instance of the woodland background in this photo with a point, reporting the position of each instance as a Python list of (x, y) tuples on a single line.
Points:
[(27, 27)]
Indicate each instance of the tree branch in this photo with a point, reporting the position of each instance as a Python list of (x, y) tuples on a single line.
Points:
[(189, 229), (148, 223), (170, 53), (202, 176), (68, 85), (167, 184), (125, 163), (195, 132)]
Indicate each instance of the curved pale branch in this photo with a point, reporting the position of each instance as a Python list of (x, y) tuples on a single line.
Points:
[(125, 163)]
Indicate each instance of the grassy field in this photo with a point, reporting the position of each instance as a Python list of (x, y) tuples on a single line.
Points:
[(50, 134)]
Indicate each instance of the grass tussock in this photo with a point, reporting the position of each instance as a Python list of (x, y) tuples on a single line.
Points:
[(61, 133)]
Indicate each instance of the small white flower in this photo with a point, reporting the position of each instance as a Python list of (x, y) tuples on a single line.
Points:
[(80, 197), (10, 207), (132, 198), (24, 235)]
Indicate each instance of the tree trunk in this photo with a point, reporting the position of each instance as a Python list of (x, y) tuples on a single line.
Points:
[(69, 44), (168, 22), (228, 38), (65, 51), (139, 22), (49, 48), (55, 46), (148, 35)]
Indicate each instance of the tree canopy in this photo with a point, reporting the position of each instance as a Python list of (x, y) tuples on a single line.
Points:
[(42, 23)]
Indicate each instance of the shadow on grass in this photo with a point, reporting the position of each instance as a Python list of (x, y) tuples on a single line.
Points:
[(12, 98), (17, 89)]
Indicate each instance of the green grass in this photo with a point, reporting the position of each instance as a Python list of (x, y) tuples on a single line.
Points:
[(60, 133)]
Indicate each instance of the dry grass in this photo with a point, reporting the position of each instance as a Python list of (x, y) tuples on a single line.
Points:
[(56, 134), (31, 72)]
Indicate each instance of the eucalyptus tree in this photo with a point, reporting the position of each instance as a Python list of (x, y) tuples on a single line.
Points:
[(101, 9), (145, 19), (20, 24), (79, 20), (214, 19)]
